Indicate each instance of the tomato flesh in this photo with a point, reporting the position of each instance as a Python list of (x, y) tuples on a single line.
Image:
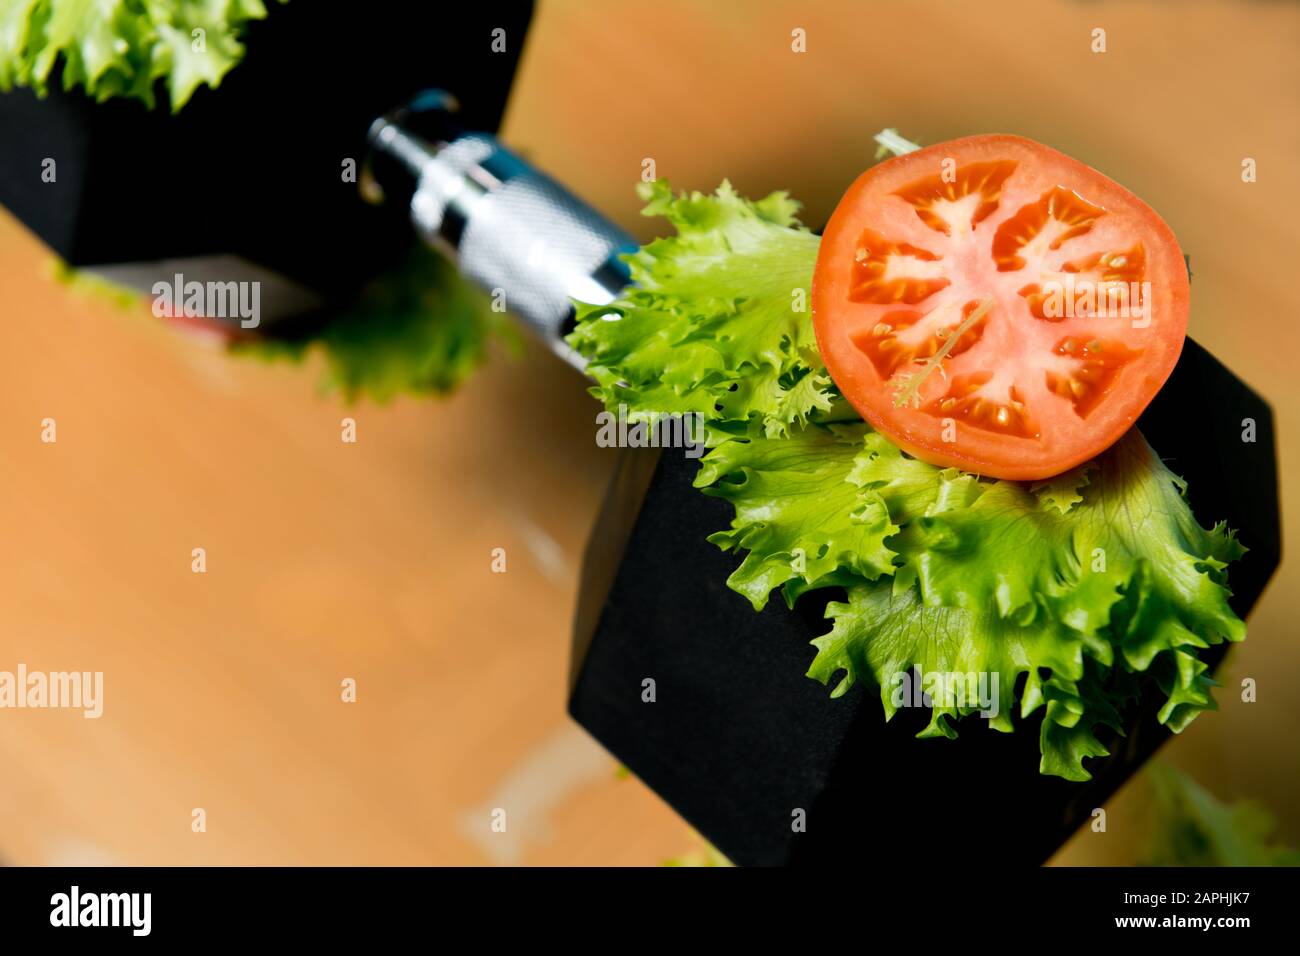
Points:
[(994, 305)]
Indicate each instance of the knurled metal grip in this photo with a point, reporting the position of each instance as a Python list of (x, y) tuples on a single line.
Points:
[(511, 229)]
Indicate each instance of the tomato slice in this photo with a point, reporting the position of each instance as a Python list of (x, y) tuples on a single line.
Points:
[(994, 305)]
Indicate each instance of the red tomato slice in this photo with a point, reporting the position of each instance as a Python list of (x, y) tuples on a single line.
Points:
[(994, 305)]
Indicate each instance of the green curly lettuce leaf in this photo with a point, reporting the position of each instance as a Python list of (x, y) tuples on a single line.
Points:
[(716, 322), (883, 634), (798, 515), (817, 502), (951, 574), (419, 328), (1192, 827), (121, 48)]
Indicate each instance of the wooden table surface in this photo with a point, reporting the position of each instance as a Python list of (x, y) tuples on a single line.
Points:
[(372, 561)]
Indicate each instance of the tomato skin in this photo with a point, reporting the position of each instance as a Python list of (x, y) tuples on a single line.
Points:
[(1023, 421)]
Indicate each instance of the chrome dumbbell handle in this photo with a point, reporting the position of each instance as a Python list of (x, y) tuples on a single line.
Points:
[(511, 229)]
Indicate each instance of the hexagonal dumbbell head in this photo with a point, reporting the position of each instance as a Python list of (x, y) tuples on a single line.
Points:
[(738, 739)]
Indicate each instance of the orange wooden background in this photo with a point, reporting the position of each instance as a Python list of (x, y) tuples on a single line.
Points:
[(371, 561)]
